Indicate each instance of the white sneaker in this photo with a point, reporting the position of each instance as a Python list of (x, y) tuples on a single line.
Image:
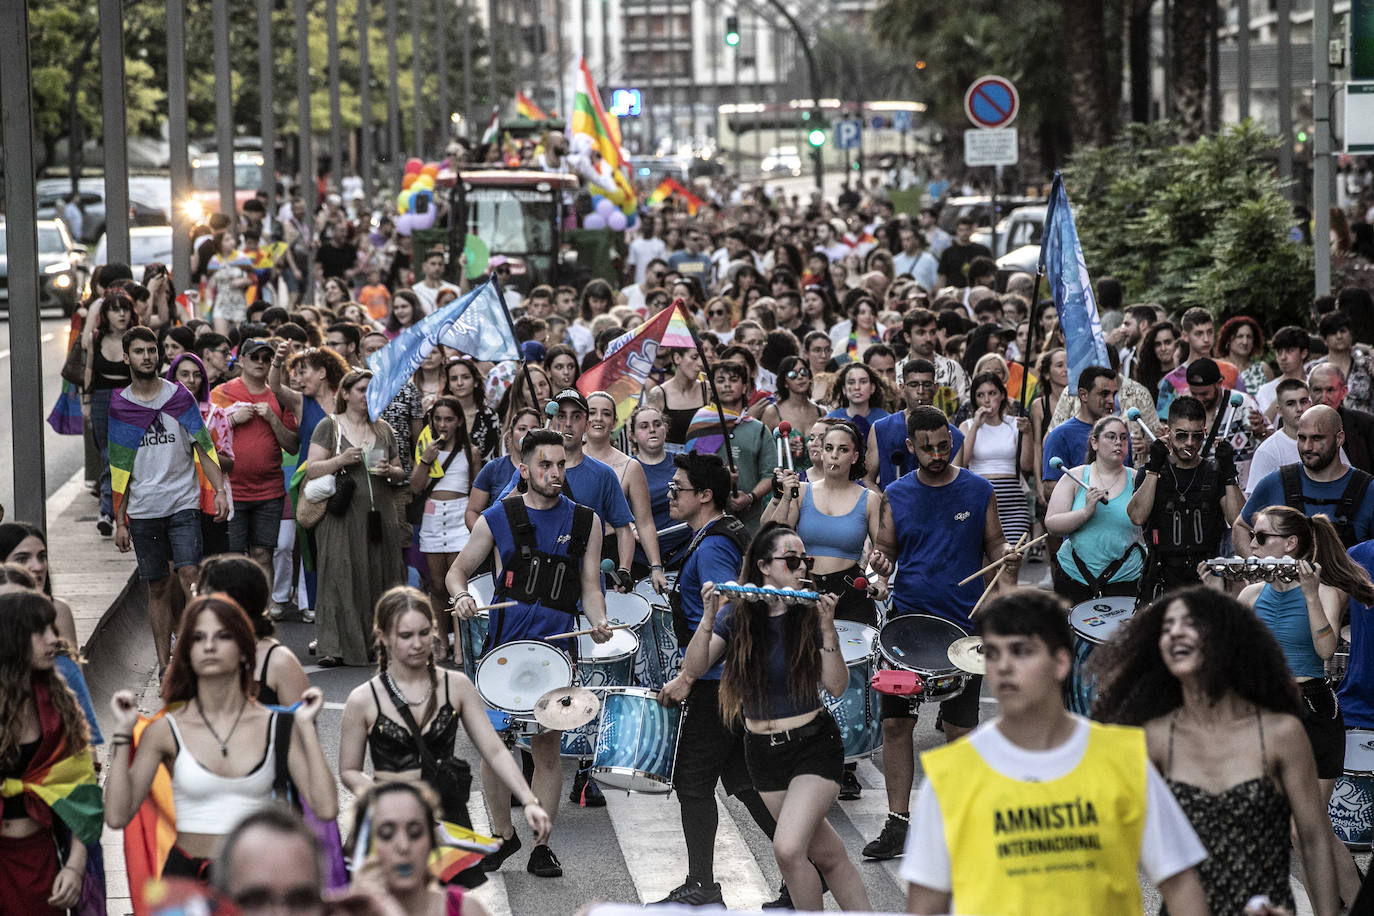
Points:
[(308, 615)]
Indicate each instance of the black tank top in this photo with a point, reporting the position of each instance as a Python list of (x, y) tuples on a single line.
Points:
[(679, 420), (393, 747), (107, 374), (266, 695)]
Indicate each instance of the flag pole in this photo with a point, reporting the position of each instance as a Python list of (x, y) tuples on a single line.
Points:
[(1025, 357), (524, 363), (715, 399)]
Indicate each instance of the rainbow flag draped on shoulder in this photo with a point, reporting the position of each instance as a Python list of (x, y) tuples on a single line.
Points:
[(130, 421), (629, 359), (590, 117)]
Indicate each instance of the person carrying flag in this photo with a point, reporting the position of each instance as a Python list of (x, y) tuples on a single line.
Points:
[(753, 458)]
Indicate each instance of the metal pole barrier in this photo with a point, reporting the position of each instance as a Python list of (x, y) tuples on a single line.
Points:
[(26, 353), (306, 164), (368, 157), (180, 165), (267, 118), (1321, 151), (114, 141), (224, 107), (336, 154)]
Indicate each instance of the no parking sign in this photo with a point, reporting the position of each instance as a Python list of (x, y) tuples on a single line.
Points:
[(991, 102)]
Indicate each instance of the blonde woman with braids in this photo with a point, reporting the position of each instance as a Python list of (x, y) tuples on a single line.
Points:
[(437, 700), (1305, 618), (43, 725)]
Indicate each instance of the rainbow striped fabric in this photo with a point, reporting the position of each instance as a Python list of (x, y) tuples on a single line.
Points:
[(590, 117), (129, 421), (629, 359), (525, 108)]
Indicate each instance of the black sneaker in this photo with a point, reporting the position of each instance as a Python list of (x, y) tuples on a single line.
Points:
[(782, 902), (586, 792), (544, 863), (105, 525), (693, 893), (849, 786), (509, 847), (891, 843)]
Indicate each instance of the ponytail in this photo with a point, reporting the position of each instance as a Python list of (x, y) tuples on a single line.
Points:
[(1338, 570)]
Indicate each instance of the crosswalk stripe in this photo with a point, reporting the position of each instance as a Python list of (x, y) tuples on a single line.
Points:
[(649, 831), (493, 894)]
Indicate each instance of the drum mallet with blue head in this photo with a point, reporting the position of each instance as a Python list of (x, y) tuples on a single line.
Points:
[(1058, 464), (1134, 414)]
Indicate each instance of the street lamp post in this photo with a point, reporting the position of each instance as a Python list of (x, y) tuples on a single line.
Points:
[(224, 107), (113, 141), (306, 164), (336, 155), (815, 82), (179, 164), (368, 157), (267, 126)]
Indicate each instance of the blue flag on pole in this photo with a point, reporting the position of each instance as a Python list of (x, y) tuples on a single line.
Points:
[(475, 324), (1061, 260)]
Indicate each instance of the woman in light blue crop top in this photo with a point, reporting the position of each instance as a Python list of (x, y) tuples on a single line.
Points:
[(1305, 618), (227, 738), (777, 659), (835, 516), (1102, 553)]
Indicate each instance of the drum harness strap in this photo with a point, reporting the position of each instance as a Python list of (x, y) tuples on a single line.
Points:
[(1099, 583), (723, 525), (536, 576), (1347, 504)]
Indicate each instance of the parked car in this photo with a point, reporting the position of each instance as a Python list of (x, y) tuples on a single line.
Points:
[(62, 272), (980, 208), (147, 245), (1021, 227), (145, 209)]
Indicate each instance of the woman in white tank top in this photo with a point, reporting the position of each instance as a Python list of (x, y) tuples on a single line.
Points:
[(218, 742), (991, 438)]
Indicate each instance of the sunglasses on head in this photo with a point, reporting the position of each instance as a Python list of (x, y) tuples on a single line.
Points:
[(794, 563)]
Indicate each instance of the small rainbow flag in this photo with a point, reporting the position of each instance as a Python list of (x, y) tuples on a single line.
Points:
[(670, 186), (525, 108), (462, 849), (630, 358), (705, 435)]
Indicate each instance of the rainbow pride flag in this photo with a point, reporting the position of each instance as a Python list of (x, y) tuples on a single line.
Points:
[(462, 849), (590, 117), (129, 421), (670, 186), (624, 371), (525, 108), (705, 435)]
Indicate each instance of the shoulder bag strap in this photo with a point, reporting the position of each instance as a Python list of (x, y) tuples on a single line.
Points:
[(428, 765), (434, 481), (284, 723)]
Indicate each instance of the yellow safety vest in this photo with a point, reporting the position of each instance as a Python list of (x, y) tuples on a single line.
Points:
[(1070, 845)]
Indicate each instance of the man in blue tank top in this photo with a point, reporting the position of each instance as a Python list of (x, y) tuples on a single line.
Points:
[(937, 524), (886, 456), (541, 608)]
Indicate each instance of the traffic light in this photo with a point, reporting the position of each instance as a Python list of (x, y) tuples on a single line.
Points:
[(816, 137), (732, 30)]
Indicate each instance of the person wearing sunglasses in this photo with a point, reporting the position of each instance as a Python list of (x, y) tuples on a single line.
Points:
[(1183, 500), (1305, 617), (793, 402), (775, 659)]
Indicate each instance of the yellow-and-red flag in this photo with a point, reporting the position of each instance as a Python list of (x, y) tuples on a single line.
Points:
[(590, 117), (525, 108)]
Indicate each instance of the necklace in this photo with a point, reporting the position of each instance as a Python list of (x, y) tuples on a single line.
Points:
[(223, 742), (396, 691)]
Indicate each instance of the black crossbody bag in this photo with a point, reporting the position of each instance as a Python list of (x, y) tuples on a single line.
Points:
[(451, 777)]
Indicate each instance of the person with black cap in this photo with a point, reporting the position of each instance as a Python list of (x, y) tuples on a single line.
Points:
[(1230, 415)]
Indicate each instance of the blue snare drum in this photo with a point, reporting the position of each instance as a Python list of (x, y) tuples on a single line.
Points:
[(1094, 623), (608, 664), (856, 710), (1352, 801), (472, 634), (656, 663), (636, 747)]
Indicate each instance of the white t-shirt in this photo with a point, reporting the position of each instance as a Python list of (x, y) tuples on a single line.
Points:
[(164, 476), (1168, 844), (1267, 394), (428, 295), (642, 251), (634, 297), (1272, 454)]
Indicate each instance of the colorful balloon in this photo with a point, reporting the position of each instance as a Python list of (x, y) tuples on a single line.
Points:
[(616, 221), (413, 166), (408, 180), (605, 207), (594, 221), (431, 169), (403, 201)]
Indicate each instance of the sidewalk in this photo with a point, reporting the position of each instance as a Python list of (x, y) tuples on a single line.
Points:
[(93, 577)]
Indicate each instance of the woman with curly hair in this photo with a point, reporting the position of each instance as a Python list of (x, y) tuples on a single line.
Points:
[(777, 657), (1241, 343), (1210, 686), (1305, 617), (1157, 355), (860, 396), (42, 846), (215, 739), (793, 399)]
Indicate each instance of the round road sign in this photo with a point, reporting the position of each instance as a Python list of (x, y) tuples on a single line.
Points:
[(991, 102)]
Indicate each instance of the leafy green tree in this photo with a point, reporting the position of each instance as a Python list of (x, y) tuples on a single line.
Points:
[(1196, 224)]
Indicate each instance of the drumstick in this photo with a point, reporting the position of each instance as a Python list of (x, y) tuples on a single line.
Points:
[(1000, 560), (984, 597), (618, 626), (489, 607), (1058, 464)]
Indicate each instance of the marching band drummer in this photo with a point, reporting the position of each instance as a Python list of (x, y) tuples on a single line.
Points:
[(538, 525), (937, 525), (1305, 617), (776, 655)]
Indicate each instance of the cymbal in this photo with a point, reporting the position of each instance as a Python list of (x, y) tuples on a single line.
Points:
[(564, 708), (966, 654)]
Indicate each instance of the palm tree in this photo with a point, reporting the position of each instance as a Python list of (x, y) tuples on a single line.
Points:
[(1188, 24)]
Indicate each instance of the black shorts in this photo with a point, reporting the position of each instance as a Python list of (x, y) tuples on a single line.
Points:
[(815, 749), (962, 711), (1325, 727), (708, 750), (853, 604)]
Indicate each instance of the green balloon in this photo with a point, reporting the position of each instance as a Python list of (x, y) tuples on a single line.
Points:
[(478, 255)]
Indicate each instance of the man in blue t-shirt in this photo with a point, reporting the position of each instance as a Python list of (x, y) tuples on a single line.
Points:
[(708, 750), (1097, 387), (1323, 478), (937, 525), (552, 516), (1356, 692), (887, 457)]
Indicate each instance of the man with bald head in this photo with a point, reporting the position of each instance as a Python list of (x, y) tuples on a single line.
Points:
[(1321, 484), (1327, 386)]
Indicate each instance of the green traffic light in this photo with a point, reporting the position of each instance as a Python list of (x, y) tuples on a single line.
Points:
[(1302, 136), (732, 30), (816, 137), (732, 39)]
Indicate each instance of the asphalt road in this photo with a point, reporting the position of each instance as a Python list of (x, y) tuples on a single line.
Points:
[(63, 455)]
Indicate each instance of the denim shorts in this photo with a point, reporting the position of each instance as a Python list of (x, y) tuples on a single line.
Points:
[(163, 543), (255, 524)]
